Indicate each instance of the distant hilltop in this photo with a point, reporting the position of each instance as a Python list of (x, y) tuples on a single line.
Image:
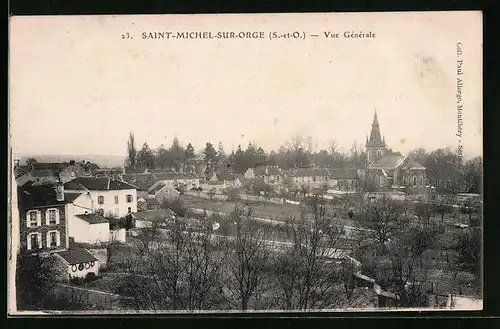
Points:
[(103, 161)]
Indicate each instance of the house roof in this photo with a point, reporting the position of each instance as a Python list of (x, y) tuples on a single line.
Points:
[(32, 196), (343, 173), (20, 171), (42, 173), (157, 188), (70, 196), (98, 184), (143, 181), (267, 171), (77, 256), (93, 218), (174, 176)]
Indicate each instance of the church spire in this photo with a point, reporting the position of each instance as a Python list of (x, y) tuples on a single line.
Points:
[(375, 138)]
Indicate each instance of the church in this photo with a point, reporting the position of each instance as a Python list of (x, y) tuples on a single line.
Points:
[(391, 171)]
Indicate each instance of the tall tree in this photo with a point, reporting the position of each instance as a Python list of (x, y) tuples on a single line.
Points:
[(31, 161), (132, 151), (189, 152), (145, 157), (473, 173), (210, 158), (162, 159)]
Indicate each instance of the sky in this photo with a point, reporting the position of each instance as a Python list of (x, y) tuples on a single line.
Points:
[(77, 87)]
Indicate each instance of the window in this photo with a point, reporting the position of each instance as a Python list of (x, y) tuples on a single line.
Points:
[(129, 198), (53, 239), (100, 199), (421, 180), (52, 217), (116, 199), (34, 241), (404, 180), (32, 218), (129, 210), (414, 181)]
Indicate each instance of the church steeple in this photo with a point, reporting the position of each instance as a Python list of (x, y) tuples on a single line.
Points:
[(375, 145), (375, 137)]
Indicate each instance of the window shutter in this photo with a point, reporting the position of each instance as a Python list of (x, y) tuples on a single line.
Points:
[(47, 221), (58, 238), (57, 216), (48, 239), (29, 242), (28, 219), (39, 218), (39, 239)]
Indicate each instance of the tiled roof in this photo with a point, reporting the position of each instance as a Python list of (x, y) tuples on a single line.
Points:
[(157, 188), (144, 181), (93, 218), (308, 172), (70, 197), (42, 173), (20, 171), (174, 176), (30, 196), (77, 256), (97, 184), (387, 161), (343, 173)]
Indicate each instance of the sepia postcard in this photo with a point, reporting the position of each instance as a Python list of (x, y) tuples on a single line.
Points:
[(229, 163)]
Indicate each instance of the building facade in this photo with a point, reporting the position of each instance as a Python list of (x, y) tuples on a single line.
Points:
[(43, 220)]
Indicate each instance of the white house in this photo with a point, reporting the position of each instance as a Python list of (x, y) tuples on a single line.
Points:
[(78, 262), (186, 181), (270, 174), (83, 225), (163, 191), (108, 195)]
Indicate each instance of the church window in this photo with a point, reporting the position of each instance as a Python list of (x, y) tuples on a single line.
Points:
[(421, 180), (414, 181)]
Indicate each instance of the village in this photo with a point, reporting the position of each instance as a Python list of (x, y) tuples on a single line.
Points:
[(383, 230)]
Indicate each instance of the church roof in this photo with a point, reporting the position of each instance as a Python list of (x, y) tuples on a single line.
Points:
[(395, 161)]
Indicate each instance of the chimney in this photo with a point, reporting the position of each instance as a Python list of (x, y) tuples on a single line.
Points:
[(60, 192)]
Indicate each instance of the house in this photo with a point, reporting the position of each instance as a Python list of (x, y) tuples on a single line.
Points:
[(43, 219), (50, 173), (386, 170), (270, 174), (311, 177), (89, 228), (178, 181), (116, 173), (163, 191), (343, 179), (148, 218), (109, 196), (228, 179), (79, 263)]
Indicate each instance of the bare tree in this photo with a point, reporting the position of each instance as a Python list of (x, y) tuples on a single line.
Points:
[(305, 277), (383, 218), (247, 262)]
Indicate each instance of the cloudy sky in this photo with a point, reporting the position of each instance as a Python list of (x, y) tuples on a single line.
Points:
[(78, 88)]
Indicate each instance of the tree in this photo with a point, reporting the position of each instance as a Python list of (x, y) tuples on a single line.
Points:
[(469, 251), (473, 174), (443, 171), (383, 218), (182, 272), (210, 158), (424, 211), (35, 279), (247, 264), (305, 278), (162, 157), (132, 151), (30, 162), (145, 157), (189, 152), (443, 206), (176, 154)]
